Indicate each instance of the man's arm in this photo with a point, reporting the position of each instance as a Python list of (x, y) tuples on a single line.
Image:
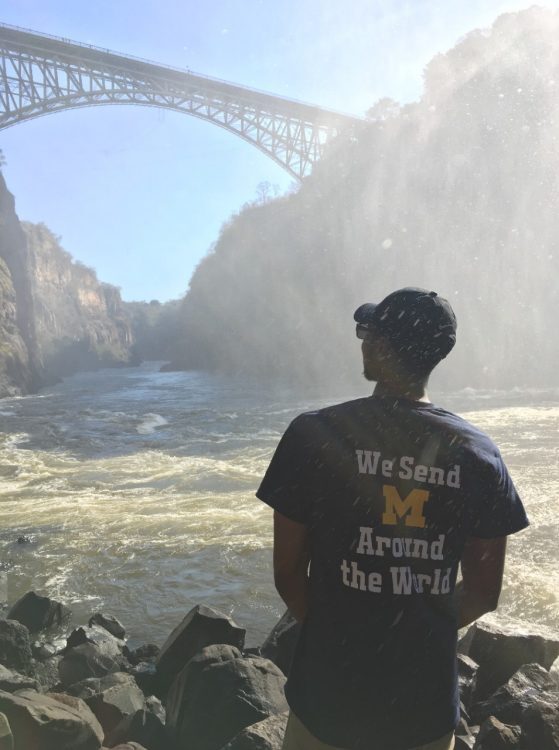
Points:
[(291, 563), (482, 564)]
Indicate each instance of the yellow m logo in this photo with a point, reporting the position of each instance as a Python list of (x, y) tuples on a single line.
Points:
[(396, 508)]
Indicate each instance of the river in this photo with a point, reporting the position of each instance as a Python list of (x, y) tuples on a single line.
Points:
[(132, 492)]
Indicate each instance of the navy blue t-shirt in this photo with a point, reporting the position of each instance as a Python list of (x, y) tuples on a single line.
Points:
[(390, 490)]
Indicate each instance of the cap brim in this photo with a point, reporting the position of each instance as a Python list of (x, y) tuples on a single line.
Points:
[(365, 313)]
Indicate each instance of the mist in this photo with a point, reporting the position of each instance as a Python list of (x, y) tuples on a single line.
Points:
[(456, 193)]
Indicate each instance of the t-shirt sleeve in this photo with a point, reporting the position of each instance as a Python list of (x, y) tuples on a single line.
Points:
[(287, 484), (499, 509)]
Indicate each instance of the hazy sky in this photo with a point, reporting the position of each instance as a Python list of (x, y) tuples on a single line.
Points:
[(140, 193)]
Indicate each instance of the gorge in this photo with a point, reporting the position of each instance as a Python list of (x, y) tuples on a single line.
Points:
[(456, 192)]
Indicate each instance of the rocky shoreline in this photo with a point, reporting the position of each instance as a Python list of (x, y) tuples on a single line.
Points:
[(83, 688)]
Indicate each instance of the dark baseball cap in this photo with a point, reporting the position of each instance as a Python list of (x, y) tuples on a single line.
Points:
[(420, 325)]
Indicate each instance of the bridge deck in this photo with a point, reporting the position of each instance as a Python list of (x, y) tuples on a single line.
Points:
[(42, 74), (71, 51)]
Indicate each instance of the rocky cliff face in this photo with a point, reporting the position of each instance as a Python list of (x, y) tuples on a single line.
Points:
[(19, 359), (56, 317), (80, 322)]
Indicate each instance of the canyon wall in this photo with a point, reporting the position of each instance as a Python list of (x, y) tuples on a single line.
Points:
[(20, 366), (81, 323), (56, 317)]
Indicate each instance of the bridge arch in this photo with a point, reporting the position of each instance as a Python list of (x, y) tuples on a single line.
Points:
[(42, 74)]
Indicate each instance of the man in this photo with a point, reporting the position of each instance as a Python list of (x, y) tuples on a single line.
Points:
[(385, 496)]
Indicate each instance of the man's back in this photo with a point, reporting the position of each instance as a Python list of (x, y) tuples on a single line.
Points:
[(390, 490), (386, 496)]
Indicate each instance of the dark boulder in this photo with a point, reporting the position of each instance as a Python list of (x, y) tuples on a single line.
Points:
[(178, 698), (87, 660), (215, 654), (154, 706), (529, 685), (111, 698), (540, 726), (109, 645), (84, 689), (502, 649), (467, 672), (494, 735), (279, 646), (91, 652), (43, 650), (45, 722), (264, 735), (465, 639), (15, 648), (109, 623), (202, 626), (143, 727), (39, 612), (10, 681), (147, 652), (214, 698), (46, 673), (145, 675)]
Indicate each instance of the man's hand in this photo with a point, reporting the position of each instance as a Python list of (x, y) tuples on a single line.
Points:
[(291, 563), (482, 564)]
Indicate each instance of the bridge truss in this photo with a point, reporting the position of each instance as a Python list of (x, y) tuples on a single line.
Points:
[(41, 74)]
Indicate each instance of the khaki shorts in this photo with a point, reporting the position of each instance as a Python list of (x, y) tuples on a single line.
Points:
[(298, 737)]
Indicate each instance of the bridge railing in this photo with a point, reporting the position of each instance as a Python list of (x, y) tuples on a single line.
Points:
[(187, 71)]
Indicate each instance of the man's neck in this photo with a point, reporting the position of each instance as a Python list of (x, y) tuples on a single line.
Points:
[(408, 391)]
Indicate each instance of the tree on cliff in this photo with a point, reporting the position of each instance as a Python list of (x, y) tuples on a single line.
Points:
[(2, 160)]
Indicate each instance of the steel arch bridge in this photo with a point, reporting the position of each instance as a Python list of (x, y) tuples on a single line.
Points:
[(42, 74)]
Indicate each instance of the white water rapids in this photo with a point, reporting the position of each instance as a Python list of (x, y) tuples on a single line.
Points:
[(134, 493)]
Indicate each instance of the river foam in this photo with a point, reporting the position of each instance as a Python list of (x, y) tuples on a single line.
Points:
[(146, 525)]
